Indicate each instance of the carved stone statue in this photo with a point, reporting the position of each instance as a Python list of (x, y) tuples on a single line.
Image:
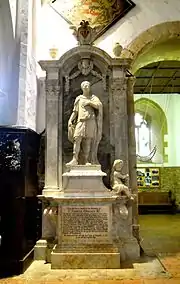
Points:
[(120, 181), (85, 127)]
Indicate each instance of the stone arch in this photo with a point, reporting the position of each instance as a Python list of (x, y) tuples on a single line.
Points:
[(156, 117), (165, 51), (151, 37), (103, 60)]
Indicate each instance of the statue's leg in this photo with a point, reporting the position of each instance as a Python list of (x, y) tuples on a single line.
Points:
[(127, 192), (86, 149), (94, 153), (76, 150), (76, 147)]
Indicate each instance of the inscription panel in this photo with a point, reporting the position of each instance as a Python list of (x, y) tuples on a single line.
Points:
[(85, 224)]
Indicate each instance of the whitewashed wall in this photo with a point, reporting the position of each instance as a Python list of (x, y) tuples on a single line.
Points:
[(147, 13)]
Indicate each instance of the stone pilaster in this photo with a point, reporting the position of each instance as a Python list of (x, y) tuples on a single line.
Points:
[(132, 153), (118, 109), (53, 135)]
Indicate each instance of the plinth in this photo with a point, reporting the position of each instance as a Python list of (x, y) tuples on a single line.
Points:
[(85, 222), (85, 225), (84, 180)]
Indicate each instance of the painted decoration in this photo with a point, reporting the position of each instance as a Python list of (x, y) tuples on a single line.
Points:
[(99, 13)]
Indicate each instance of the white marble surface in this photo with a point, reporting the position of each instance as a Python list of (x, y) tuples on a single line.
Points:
[(84, 179)]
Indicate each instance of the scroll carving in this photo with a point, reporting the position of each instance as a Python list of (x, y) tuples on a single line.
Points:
[(50, 214)]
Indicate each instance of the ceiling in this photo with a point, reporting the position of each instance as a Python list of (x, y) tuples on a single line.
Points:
[(160, 77)]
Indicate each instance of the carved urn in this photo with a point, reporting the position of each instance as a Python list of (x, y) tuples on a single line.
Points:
[(53, 52), (117, 49)]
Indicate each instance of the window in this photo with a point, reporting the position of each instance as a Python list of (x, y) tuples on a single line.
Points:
[(143, 135)]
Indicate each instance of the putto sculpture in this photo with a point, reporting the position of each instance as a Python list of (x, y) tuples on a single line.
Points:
[(85, 127), (119, 181)]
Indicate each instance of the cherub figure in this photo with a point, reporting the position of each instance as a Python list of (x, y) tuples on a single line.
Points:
[(119, 181)]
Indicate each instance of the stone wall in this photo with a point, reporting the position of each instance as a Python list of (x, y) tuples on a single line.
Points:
[(170, 180)]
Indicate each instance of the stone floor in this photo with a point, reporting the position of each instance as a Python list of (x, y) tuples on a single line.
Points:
[(160, 264)]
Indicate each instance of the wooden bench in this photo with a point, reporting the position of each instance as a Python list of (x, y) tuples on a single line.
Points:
[(149, 201)]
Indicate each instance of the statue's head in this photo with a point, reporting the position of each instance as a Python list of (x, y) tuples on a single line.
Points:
[(118, 164), (85, 86)]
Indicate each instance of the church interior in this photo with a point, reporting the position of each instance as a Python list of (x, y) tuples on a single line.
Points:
[(38, 36)]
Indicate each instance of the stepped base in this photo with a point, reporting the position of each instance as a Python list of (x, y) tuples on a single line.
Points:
[(85, 260)]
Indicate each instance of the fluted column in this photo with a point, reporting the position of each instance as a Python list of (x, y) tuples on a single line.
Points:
[(53, 135)]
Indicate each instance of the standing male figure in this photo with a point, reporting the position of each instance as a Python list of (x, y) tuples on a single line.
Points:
[(85, 127)]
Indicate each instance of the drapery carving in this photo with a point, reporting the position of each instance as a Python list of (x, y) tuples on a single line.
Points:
[(85, 67)]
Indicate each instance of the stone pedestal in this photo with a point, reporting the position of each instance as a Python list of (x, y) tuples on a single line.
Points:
[(84, 180), (85, 222), (40, 250), (93, 226)]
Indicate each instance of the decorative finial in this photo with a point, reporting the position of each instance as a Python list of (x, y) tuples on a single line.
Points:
[(53, 52), (117, 49)]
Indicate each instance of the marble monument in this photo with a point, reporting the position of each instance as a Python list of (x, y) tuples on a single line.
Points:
[(90, 217)]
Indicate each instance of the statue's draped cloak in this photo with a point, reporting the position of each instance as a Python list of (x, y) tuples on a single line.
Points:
[(85, 126)]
